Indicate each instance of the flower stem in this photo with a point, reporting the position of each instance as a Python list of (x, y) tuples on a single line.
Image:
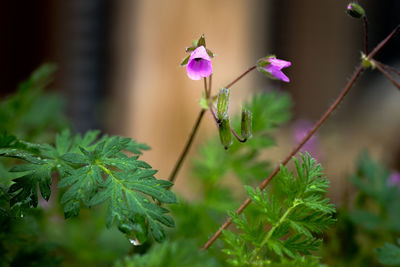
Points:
[(241, 76), (189, 142), (383, 42), (389, 68), (365, 24), (237, 136), (205, 87), (318, 124), (209, 86)]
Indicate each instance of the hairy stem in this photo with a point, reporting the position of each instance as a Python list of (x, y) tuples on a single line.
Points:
[(387, 75), (317, 125)]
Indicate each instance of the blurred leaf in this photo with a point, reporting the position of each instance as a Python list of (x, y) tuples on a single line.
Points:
[(389, 254)]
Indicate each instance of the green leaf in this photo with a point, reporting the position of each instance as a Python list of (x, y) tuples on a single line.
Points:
[(286, 218), (24, 189), (185, 61), (389, 254)]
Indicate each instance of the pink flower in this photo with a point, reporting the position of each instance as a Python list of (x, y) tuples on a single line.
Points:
[(274, 67), (199, 64), (301, 129), (394, 179)]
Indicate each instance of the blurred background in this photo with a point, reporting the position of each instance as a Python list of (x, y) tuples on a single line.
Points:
[(119, 69)]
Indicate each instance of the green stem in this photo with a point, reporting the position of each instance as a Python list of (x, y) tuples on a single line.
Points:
[(273, 228)]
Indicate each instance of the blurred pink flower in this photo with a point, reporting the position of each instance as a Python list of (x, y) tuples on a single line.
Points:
[(301, 129), (199, 64), (274, 68), (394, 179)]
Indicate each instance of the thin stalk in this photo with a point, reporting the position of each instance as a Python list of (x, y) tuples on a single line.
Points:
[(383, 42), (388, 68), (241, 76), (365, 24), (205, 87), (387, 75), (237, 136), (209, 86), (189, 142), (268, 179)]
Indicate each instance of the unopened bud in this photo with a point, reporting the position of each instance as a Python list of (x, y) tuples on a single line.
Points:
[(246, 124), (225, 134), (355, 10), (223, 104)]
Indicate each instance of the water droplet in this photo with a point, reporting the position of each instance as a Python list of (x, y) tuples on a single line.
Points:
[(22, 215), (134, 242)]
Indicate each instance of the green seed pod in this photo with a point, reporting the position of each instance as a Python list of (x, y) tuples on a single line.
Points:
[(223, 104), (355, 10), (246, 126), (225, 134)]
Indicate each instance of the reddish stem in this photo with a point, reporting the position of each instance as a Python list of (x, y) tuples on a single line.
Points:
[(387, 75)]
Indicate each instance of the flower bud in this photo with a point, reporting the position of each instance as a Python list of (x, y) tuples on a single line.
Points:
[(225, 134), (355, 10), (223, 104), (246, 126)]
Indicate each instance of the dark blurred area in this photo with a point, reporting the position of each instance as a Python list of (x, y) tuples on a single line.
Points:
[(72, 34), (76, 35)]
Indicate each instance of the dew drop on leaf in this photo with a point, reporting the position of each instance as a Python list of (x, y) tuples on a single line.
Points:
[(134, 241)]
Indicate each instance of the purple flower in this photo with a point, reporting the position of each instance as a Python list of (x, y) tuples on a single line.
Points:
[(274, 67), (199, 64), (394, 179), (301, 129)]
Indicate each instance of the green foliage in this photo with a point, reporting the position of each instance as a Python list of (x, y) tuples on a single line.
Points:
[(94, 171), (29, 113), (378, 204), (389, 254), (288, 217), (171, 254), (369, 221)]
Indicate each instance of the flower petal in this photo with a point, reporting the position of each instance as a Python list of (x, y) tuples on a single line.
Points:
[(277, 73), (199, 52), (199, 64), (279, 63)]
